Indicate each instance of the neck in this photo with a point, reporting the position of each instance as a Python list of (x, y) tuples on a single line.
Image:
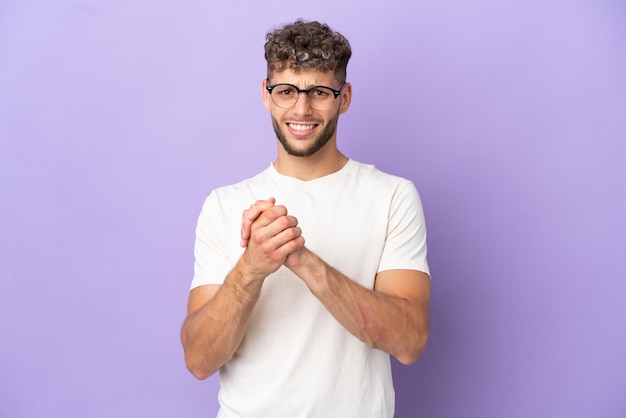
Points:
[(326, 161)]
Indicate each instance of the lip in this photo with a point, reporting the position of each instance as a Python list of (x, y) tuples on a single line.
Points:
[(301, 129)]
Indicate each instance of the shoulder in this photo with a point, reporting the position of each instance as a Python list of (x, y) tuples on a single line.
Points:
[(240, 190), (378, 178)]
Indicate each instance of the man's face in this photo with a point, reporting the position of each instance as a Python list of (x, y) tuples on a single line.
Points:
[(302, 130)]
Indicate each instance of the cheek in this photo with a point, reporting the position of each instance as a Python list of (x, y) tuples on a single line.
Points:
[(276, 115)]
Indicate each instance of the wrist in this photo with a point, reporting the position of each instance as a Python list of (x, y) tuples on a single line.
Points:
[(311, 269), (247, 273)]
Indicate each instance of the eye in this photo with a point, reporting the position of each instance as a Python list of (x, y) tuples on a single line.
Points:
[(284, 91), (319, 93)]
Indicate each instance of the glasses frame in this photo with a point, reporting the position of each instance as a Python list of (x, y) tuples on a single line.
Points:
[(336, 93)]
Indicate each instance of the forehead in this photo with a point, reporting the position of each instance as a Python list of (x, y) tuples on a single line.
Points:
[(305, 79)]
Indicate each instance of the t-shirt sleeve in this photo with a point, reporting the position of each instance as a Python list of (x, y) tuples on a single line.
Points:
[(405, 243), (211, 261)]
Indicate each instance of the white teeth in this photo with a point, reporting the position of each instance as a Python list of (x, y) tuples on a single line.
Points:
[(301, 127)]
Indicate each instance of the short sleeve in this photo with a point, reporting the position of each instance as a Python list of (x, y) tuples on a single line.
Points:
[(212, 263), (405, 242)]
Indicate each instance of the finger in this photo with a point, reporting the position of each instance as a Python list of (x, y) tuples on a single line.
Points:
[(250, 215), (278, 232), (287, 241), (270, 201), (258, 207), (269, 216), (245, 228), (271, 223)]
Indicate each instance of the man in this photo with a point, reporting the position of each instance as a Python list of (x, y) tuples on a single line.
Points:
[(304, 328)]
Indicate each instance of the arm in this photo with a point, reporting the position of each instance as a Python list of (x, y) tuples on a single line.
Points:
[(393, 317), (216, 321), (217, 315)]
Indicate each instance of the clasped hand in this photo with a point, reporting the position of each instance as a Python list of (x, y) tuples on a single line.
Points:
[(271, 237)]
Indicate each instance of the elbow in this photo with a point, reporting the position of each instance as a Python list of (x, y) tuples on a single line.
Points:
[(408, 358), (199, 366), (414, 350), (198, 374), (196, 369)]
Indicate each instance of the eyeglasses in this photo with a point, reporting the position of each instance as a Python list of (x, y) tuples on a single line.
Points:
[(319, 97)]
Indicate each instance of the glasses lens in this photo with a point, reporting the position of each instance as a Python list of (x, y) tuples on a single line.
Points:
[(284, 95), (321, 98)]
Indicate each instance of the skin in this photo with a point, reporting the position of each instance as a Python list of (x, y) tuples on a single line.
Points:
[(393, 317), (327, 159)]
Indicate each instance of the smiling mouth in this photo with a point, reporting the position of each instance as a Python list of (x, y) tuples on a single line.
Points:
[(301, 127)]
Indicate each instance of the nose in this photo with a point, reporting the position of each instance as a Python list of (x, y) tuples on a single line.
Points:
[(302, 106)]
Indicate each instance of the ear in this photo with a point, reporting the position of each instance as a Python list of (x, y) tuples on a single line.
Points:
[(346, 98), (266, 95)]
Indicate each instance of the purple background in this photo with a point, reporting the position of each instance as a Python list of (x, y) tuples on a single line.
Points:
[(117, 118)]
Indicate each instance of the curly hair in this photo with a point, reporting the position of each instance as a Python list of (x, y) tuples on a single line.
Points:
[(307, 46)]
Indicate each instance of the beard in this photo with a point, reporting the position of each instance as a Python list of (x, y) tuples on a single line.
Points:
[(321, 140)]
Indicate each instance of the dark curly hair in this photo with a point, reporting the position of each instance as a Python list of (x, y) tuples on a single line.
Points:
[(307, 46)]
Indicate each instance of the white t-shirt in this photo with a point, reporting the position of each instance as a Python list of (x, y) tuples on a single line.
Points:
[(295, 359)]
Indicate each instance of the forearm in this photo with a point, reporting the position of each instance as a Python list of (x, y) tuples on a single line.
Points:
[(217, 320), (391, 323), (212, 334)]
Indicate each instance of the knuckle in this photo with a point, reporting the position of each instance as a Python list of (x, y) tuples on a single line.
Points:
[(293, 233), (293, 245), (269, 215), (276, 257), (281, 210), (256, 239), (283, 222)]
